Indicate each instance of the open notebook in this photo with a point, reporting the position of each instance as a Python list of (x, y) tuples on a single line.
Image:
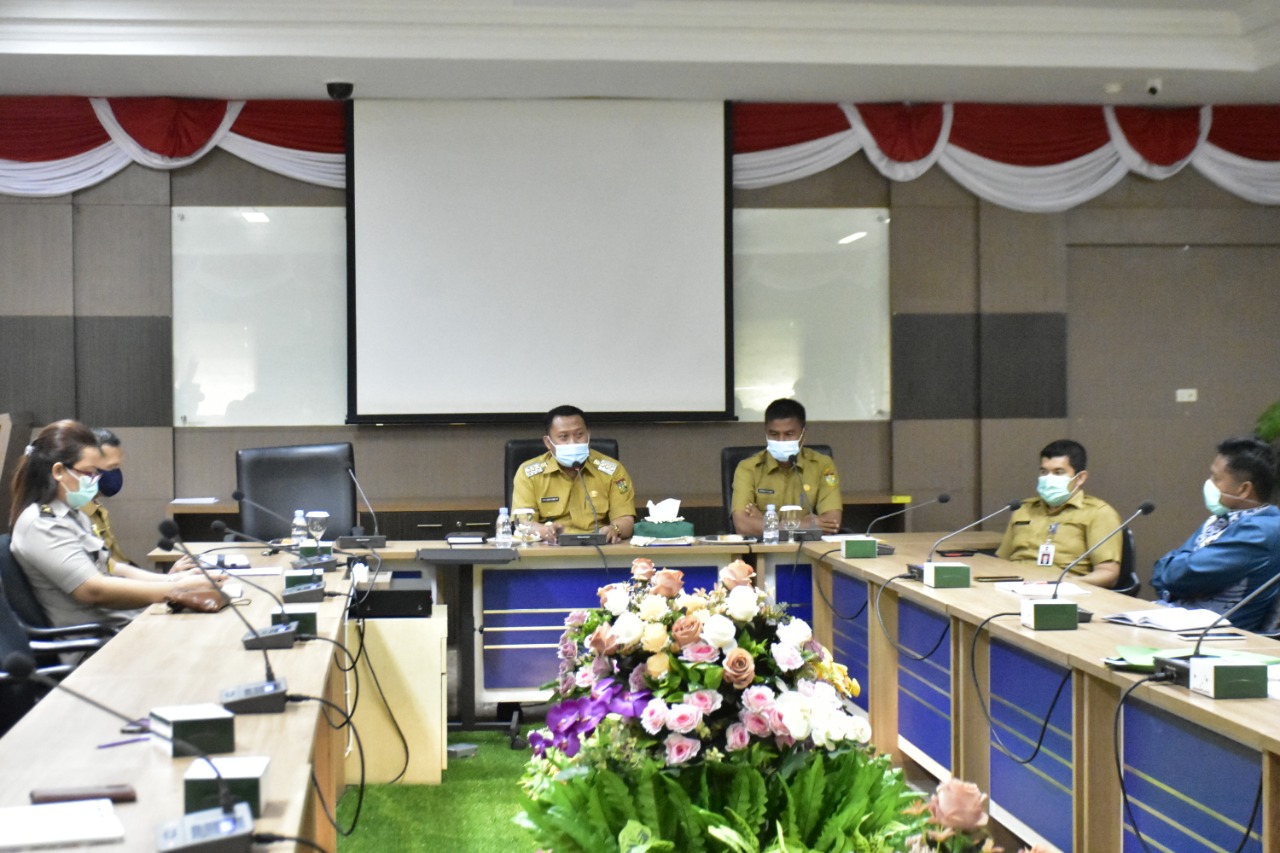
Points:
[(59, 825)]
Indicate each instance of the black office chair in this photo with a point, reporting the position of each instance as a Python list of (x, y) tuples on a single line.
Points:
[(1128, 582), (729, 459), (521, 450), (311, 477)]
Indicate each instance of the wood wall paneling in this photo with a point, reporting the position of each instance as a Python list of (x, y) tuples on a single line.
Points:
[(35, 245)]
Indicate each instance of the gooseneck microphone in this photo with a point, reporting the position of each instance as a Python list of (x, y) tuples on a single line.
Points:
[(1009, 507), (358, 539), (267, 696), (225, 829), (940, 499), (1270, 582), (1146, 508), (241, 497)]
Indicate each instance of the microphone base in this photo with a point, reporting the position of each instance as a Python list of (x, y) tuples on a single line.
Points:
[(208, 831), (261, 697), (580, 539), (274, 637), (315, 564), (307, 593), (347, 543)]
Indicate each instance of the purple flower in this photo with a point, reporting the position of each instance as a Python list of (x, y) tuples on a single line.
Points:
[(572, 720), (576, 618), (636, 681), (618, 700)]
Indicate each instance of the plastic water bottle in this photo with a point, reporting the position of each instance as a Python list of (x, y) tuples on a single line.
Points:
[(770, 536), (298, 529), (502, 531)]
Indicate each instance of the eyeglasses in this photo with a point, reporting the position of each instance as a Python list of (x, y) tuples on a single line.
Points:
[(93, 476)]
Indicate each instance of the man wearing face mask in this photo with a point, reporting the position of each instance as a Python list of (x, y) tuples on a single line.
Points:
[(572, 488), (1062, 523), (109, 484), (786, 473), (1238, 548)]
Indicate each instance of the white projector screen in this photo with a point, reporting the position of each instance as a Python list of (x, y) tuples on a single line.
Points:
[(511, 256)]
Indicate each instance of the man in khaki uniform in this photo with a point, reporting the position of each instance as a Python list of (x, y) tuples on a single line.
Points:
[(572, 488), (786, 474), (1055, 528)]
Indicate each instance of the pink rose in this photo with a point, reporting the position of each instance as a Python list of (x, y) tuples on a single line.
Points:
[(683, 717), (654, 716), (757, 698), (680, 748), (776, 724), (641, 568), (958, 805), (667, 583), (784, 741), (705, 701), (604, 591), (736, 737), (602, 641), (686, 630), (786, 657), (736, 574), (755, 723), (739, 667), (701, 652)]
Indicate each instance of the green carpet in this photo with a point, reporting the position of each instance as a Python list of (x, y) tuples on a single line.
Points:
[(469, 812)]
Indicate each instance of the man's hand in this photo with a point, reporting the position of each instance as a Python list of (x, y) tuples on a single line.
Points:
[(550, 531), (828, 523), (183, 564)]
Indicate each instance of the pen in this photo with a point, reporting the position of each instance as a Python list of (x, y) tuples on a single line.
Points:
[(123, 742)]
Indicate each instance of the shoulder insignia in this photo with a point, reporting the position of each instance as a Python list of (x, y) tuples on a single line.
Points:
[(605, 466), (623, 485), (829, 478), (46, 511), (533, 469)]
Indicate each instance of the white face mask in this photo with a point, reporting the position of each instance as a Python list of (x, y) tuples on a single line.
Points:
[(569, 455), (782, 450)]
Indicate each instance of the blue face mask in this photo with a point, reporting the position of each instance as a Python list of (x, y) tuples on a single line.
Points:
[(571, 455), (782, 450), (88, 491), (111, 482)]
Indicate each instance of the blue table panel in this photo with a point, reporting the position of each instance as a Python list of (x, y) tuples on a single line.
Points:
[(794, 582), (1190, 789), (1040, 793), (924, 687), (849, 636)]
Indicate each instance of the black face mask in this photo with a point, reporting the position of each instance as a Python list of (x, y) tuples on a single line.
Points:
[(111, 482)]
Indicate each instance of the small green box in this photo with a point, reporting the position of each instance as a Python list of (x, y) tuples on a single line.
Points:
[(244, 777), (1220, 678), (208, 727), (859, 546), (1053, 614), (310, 548), (303, 614), (946, 575), (301, 577)]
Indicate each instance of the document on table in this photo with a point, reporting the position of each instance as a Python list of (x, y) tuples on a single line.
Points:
[(1040, 589), (59, 825), (1168, 618)]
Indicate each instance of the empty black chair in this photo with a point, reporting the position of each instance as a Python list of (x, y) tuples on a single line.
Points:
[(311, 477), (521, 450), (1128, 582), (729, 459)]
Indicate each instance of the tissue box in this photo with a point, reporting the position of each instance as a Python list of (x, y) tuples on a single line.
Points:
[(1050, 615), (860, 546), (244, 777), (663, 529), (206, 726), (946, 575)]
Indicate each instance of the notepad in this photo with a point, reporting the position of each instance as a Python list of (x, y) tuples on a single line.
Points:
[(59, 825), (1168, 618)]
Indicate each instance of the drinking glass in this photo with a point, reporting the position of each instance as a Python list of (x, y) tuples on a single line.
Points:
[(317, 524), (790, 517), (524, 525)]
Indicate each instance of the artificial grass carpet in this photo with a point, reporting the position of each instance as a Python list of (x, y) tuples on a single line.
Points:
[(471, 810)]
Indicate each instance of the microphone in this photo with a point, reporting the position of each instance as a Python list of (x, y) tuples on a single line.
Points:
[(226, 828), (239, 496), (280, 636), (1146, 508), (1009, 507), (940, 499), (357, 539)]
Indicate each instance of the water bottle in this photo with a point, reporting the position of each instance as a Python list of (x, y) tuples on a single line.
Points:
[(770, 536), (502, 531), (298, 529)]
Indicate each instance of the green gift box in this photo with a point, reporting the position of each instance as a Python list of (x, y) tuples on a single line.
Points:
[(243, 775), (303, 614), (860, 546), (1050, 615), (1221, 678), (946, 575), (301, 577), (208, 727), (311, 548)]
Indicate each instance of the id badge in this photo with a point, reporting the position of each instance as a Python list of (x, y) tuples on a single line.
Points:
[(1045, 557)]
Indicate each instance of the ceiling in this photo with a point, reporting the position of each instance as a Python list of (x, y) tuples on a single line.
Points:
[(1154, 52)]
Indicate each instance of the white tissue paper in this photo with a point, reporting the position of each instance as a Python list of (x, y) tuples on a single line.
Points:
[(664, 511)]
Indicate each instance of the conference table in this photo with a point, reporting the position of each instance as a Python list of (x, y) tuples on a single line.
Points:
[(163, 659), (1192, 765)]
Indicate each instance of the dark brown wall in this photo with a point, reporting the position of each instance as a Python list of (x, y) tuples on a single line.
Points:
[(1010, 330)]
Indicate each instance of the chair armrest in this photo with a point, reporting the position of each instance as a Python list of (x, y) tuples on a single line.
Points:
[(83, 644), (98, 629)]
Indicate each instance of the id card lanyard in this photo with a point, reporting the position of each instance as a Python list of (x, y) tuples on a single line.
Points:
[(1045, 555)]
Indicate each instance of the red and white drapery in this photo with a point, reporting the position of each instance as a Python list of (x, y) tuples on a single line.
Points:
[(1032, 158), (50, 146)]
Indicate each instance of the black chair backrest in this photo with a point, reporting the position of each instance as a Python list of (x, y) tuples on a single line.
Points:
[(305, 476), (1128, 582), (13, 637), (729, 459), (520, 450), (18, 594)]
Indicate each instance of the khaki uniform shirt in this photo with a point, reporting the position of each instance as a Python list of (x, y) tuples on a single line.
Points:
[(812, 483), (546, 488), (101, 522), (1076, 527)]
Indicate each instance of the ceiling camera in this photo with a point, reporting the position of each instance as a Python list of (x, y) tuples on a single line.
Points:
[(1154, 85), (340, 91)]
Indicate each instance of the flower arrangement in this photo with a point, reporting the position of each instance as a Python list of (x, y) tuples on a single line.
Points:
[(706, 720)]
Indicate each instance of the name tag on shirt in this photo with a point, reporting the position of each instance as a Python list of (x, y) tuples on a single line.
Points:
[(1045, 557)]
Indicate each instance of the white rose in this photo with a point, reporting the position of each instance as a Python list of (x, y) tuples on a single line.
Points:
[(795, 633), (627, 629), (653, 608), (719, 631), (795, 712), (859, 729), (742, 603), (617, 600)]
